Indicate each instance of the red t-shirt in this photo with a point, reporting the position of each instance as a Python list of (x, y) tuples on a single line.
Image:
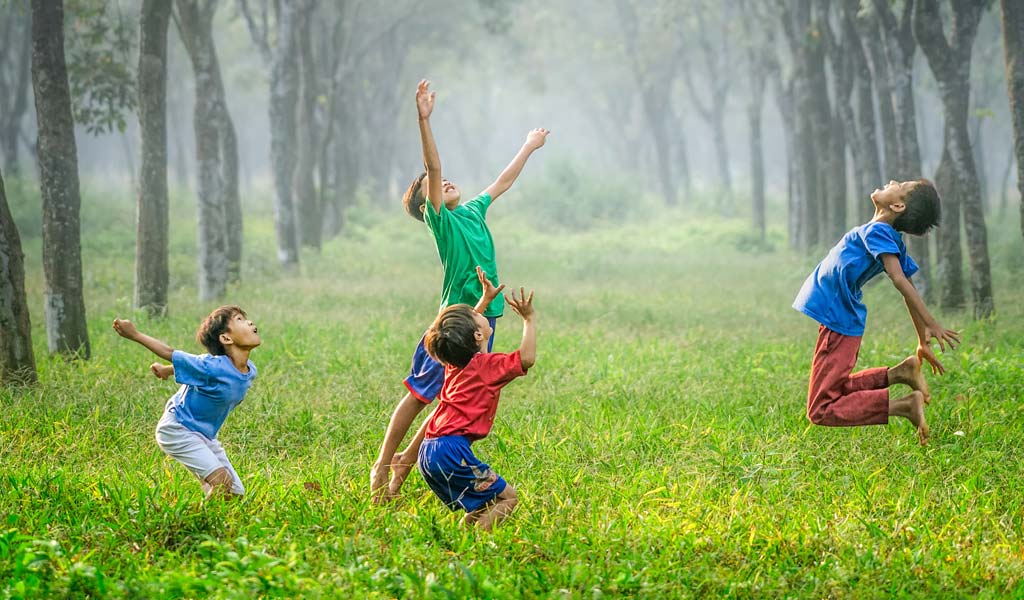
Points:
[(469, 397)]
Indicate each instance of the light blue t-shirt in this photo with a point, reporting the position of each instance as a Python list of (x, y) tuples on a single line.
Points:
[(211, 387), (831, 295)]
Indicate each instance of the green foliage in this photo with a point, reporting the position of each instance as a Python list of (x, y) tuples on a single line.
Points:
[(659, 446), (99, 42), (571, 197)]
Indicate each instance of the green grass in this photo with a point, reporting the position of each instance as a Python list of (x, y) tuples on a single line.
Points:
[(659, 446)]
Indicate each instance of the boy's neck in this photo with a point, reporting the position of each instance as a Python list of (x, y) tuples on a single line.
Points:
[(883, 215), (239, 357)]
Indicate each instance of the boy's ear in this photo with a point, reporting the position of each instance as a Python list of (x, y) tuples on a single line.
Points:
[(898, 207), (225, 339), (478, 335), (423, 207)]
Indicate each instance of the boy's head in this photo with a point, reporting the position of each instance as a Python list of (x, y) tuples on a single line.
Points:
[(915, 203), (457, 334), (227, 326), (415, 197)]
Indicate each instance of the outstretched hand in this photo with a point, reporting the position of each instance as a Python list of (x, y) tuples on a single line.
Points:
[(925, 354), (536, 138), (424, 99), (943, 336), (125, 328), (489, 291), (161, 371), (523, 305)]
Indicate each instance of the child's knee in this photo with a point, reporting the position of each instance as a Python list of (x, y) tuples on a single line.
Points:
[(509, 497)]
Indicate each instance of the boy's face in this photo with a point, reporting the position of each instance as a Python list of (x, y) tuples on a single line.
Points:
[(242, 333), (450, 193), (483, 330), (892, 196)]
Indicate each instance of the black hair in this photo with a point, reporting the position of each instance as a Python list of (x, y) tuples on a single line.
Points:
[(923, 209), (451, 339)]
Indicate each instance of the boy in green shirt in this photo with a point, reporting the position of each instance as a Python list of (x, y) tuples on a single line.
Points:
[(464, 244)]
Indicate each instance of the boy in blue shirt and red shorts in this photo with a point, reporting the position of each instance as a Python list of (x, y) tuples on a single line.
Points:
[(831, 295), (473, 380), (464, 244), (212, 385)]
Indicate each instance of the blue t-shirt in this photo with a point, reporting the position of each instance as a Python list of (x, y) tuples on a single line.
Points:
[(831, 295), (211, 387)]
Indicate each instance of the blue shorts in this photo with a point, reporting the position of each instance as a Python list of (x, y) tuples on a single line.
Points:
[(426, 376), (457, 477)]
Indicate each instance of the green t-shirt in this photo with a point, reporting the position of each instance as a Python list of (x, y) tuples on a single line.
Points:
[(463, 242)]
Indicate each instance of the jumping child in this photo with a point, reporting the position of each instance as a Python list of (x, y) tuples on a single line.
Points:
[(831, 295)]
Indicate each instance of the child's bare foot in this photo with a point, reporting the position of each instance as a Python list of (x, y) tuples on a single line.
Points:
[(911, 406), (400, 469), (378, 482), (909, 373)]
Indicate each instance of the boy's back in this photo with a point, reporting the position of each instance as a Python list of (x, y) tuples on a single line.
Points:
[(463, 243)]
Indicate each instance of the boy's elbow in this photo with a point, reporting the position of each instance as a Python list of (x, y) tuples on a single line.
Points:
[(528, 360)]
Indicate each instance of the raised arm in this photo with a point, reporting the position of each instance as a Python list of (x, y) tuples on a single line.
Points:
[(926, 325), (534, 140), (523, 306), (431, 159), (489, 291), (126, 329)]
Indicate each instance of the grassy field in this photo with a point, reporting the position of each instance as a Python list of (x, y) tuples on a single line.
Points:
[(659, 446)]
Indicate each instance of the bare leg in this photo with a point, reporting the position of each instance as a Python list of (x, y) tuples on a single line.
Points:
[(911, 407), (909, 373), (218, 484), (405, 413), (403, 462), (487, 517)]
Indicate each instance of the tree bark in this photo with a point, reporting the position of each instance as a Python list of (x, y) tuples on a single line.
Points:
[(17, 364), (151, 272), (284, 84), (951, 64), (14, 104), (195, 26), (64, 305), (1013, 51), (307, 141)]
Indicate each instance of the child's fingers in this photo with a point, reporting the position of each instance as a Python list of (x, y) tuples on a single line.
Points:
[(499, 288), (530, 300)]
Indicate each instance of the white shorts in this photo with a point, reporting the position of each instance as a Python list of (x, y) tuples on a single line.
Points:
[(198, 453)]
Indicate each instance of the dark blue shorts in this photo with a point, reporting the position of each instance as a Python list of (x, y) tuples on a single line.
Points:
[(426, 376), (457, 477)]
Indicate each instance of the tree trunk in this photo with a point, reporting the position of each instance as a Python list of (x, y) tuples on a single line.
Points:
[(17, 364), (874, 51), (950, 259), (754, 111), (1013, 50), (284, 83), (66, 331), (783, 93), (151, 273), (307, 141), (229, 181), (867, 162), (951, 63), (14, 104), (195, 25)]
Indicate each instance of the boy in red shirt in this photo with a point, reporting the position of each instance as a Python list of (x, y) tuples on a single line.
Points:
[(473, 380)]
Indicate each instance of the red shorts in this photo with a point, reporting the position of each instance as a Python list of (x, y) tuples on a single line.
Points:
[(837, 398)]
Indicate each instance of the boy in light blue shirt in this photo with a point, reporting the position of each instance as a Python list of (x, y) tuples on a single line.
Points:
[(212, 385), (831, 295)]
